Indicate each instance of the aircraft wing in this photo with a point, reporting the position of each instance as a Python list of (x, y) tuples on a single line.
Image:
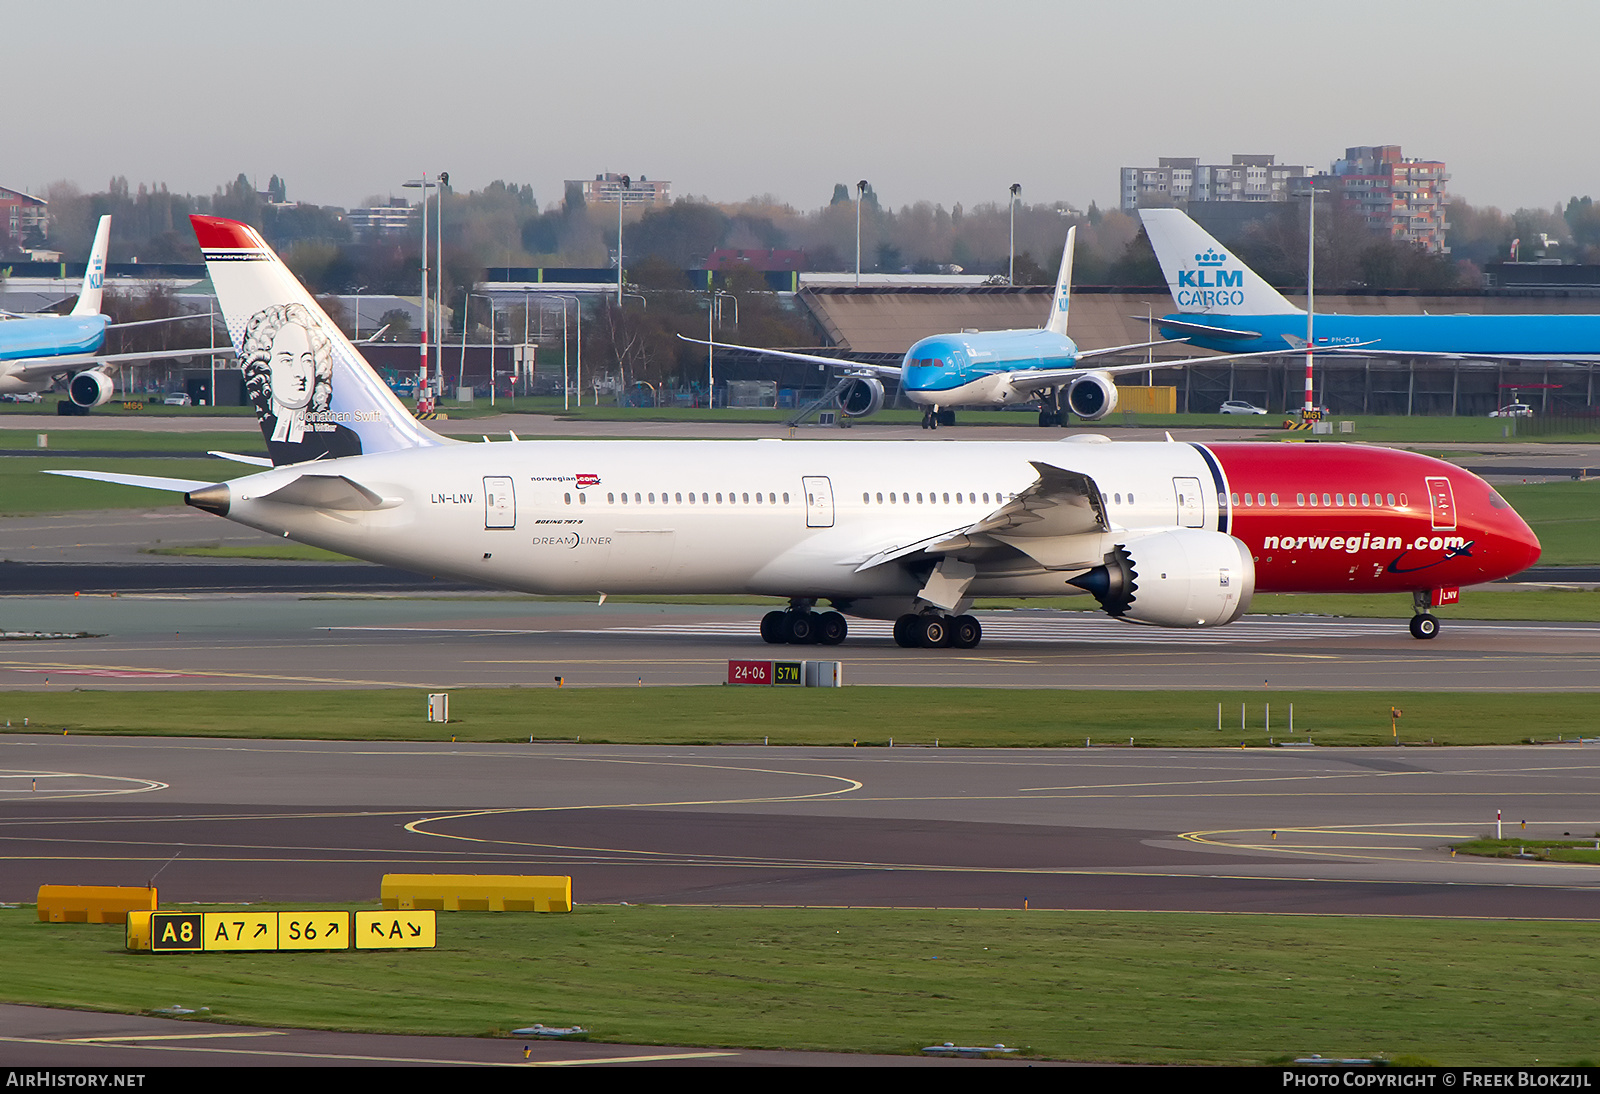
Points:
[(1043, 379), (1371, 350), (1083, 353), (1044, 521), (37, 368), (1202, 330), (892, 371)]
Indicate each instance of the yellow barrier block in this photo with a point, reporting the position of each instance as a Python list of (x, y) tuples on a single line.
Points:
[(138, 930), (1147, 400), (477, 892), (92, 903)]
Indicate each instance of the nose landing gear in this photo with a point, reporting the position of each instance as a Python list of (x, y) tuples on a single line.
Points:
[(1424, 624)]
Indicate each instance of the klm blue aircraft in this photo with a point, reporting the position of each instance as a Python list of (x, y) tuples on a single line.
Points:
[(36, 350), (1225, 305), (993, 369)]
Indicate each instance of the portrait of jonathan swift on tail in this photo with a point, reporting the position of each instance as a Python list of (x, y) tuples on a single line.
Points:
[(288, 376)]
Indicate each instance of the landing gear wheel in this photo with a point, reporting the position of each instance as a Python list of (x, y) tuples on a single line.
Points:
[(965, 633), (933, 631), (944, 417), (773, 626), (832, 628), (1424, 625), (802, 628), (906, 634), (1048, 418)]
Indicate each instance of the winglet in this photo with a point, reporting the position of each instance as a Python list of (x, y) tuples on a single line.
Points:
[(94, 276), (1057, 323)]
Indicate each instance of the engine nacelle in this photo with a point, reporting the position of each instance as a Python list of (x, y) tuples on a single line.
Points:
[(861, 398), (1183, 578), (91, 388), (1092, 397)]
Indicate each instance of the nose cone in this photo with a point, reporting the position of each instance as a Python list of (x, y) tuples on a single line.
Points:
[(1512, 545)]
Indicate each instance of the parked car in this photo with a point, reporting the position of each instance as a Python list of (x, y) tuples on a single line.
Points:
[(22, 397), (179, 399), (1513, 410), (1239, 406)]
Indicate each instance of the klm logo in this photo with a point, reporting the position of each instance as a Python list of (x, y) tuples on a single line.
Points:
[(1211, 275), (1214, 286)]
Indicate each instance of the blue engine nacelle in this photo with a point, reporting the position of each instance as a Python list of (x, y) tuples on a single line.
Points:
[(861, 398), (88, 389), (1092, 397)]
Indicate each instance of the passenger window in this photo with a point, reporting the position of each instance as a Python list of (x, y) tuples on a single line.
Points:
[(583, 499), (611, 499), (567, 498), (1233, 497), (1391, 499), (679, 498), (1325, 500), (746, 498), (1274, 500), (719, 499), (1299, 499)]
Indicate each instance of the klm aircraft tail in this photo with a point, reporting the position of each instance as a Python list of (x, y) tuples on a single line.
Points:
[(315, 395), (1202, 275), (94, 277), (1057, 323)]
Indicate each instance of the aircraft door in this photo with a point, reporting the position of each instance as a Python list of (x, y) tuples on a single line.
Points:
[(1442, 503), (1191, 503), (499, 502), (819, 501)]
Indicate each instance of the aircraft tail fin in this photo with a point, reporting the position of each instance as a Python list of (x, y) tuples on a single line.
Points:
[(1057, 323), (94, 276), (1203, 276), (315, 395)]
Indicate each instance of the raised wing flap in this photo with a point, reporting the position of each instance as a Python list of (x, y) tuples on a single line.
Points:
[(328, 492), (1046, 521), (1059, 503)]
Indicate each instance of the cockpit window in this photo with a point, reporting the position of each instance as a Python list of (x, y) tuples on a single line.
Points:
[(1497, 501)]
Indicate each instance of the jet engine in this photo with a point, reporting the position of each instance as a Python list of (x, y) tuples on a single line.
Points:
[(1092, 397), (91, 388), (861, 397), (1183, 578)]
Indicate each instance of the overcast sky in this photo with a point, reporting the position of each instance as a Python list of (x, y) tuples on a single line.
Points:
[(939, 100)]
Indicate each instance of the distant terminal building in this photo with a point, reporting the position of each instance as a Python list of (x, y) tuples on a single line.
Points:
[(726, 258), (1401, 198), (610, 186), (1177, 180), (22, 213), (398, 215)]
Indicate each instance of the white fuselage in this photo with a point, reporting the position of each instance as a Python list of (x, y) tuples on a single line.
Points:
[(780, 518)]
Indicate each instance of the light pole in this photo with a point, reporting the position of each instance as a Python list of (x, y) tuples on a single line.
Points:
[(438, 296), (713, 313), (1011, 266), (861, 190), (1311, 264), (622, 195), (424, 401)]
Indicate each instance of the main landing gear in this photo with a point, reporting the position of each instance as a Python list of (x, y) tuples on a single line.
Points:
[(1423, 623), (1050, 412), (800, 626), (933, 631)]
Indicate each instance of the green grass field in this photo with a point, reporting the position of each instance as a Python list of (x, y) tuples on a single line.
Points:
[(1168, 988), (870, 716)]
